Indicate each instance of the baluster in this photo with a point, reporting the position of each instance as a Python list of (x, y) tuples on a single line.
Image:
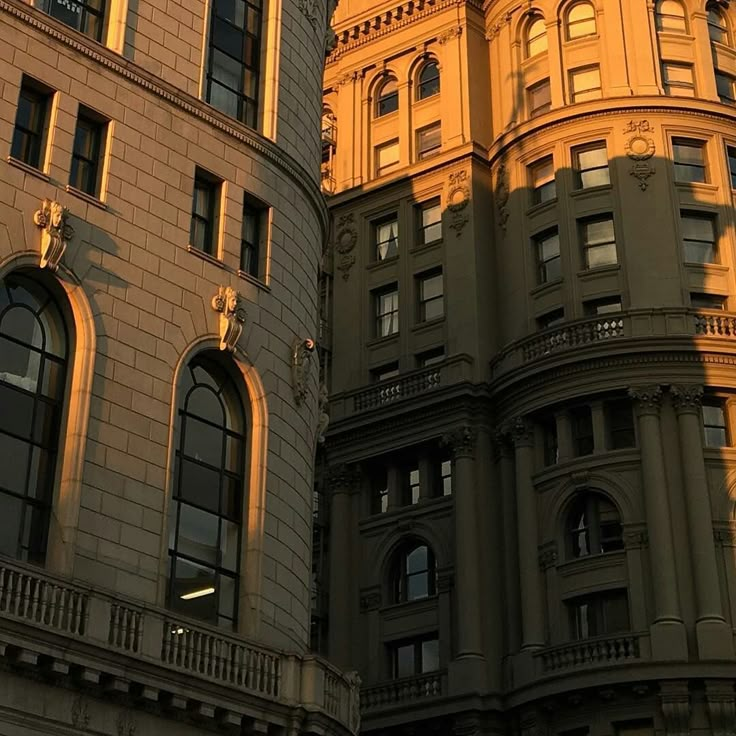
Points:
[(166, 644), (138, 632), (26, 598), (53, 592), (34, 603), (114, 624)]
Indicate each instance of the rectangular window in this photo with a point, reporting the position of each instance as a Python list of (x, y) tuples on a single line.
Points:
[(385, 372), (585, 84), (551, 319), (413, 487), (205, 207), (234, 59), (599, 242), (254, 227), (547, 246), (707, 301), (550, 444), (446, 477), (86, 16), (698, 238), (539, 98), (599, 614), (731, 154), (387, 311), (678, 79), (415, 657), (387, 157), (714, 425), (431, 357), (542, 180), (379, 491), (429, 141), (689, 159), (430, 222), (634, 728), (431, 296), (725, 88), (31, 123), (582, 430), (591, 166), (619, 424), (599, 307), (87, 154), (386, 235)]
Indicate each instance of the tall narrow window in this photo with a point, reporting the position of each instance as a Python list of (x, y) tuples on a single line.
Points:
[(619, 424), (717, 26), (731, 155), (415, 657), (430, 223), (31, 123), (386, 238), (388, 98), (205, 513), (593, 526), (591, 166), (548, 256), (414, 575), (689, 159), (413, 490), (698, 238), (542, 180), (205, 207), (428, 80), (429, 141), (678, 79), (539, 98), (599, 242), (86, 168), (233, 69), (582, 430), (387, 311), (87, 16), (670, 16), (431, 296), (536, 37), (33, 355), (714, 425), (585, 84), (387, 157), (725, 85), (581, 21), (255, 223)]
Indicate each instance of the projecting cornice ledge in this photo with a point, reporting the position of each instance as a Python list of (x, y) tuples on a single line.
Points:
[(155, 85)]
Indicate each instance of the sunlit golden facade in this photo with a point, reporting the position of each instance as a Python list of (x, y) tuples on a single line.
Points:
[(528, 479)]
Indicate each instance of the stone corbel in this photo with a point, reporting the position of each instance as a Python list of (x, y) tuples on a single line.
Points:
[(56, 232), (675, 701), (323, 416), (721, 706), (229, 304), (301, 364)]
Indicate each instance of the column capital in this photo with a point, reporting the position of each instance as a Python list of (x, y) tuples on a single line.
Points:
[(342, 477), (648, 398), (687, 397), (461, 441), (522, 432)]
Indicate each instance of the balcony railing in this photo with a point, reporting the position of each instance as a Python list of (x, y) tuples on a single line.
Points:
[(590, 652), (155, 637), (403, 690)]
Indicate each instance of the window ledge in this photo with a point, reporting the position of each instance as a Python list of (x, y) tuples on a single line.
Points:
[(250, 278), (705, 267), (426, 246), (581, 193), (377, 265), (386, 340), (592, 273), (568, 568), (702, 186), (440, 505), (539, 207), (409, 608), (428, 325), (18, 164), (88, 198), (547, 286), (205, 256)]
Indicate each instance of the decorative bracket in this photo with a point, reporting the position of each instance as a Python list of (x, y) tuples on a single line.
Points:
[(323, 416), (56, 232), (229, 304), (301, 363)]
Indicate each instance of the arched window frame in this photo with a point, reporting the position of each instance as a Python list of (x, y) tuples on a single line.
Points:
[(670, 22), (587, 532), (428, 80), (573, 24), (387, 102), (718, 27), (402, 575), (38, 394), (231, 471), (532, 37)]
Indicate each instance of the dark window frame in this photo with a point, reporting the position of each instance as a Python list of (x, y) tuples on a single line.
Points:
[(392, 314), (694, 173), (581, 172), (423, 228), (29, 143), (206, 221), (252, 239), (590, 246), (710, 428), (387, 102), (428, 80), (403, 576), (423, 302), (85, 173), (546, 272), (88, 15)]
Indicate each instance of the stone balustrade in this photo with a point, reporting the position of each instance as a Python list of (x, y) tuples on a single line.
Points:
[(159, 639), (590, 652), (402, 690)]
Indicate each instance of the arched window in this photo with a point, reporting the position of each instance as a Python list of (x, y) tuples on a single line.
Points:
[(414, 573), (387, 100), (670, 16), (206, 510), (33, 362), (536, 37), (717, 26), (428, 81), (593, 526), (580, 21)]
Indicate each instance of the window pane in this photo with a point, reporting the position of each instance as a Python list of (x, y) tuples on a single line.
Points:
[(199, 485), (11, 511), (599, 232), (13, 476), (230, 545), (193, 589), (203, 442), (417, 587), (405, 666), (227, 600), (430, 655), (197, 534)]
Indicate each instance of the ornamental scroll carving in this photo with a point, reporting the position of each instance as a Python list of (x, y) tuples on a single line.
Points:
[(80, 712), (229, 304), (354, 682), (640, 148), (687, 397), (345, 242), (675, 702), (323, 416), (125, 724), (461, 441), (721, 706), (56, 232), (309, 9), (301, 366), (501, 191), (458, 198), (648, 397)]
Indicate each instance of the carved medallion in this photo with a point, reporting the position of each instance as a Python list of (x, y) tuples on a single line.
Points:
[(458, 198), (55, 232), (640, 148)]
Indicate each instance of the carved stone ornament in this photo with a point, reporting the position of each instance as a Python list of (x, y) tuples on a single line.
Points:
[(56, 232), (675, 701), (229, 304), (522, 431), (354, 682), (370, 600), (342, 477), (548, 555), (125, 723), (80, 712), (687, 397), (635, 537), (647, 397), (345, 241), (449, 34), (640, 148), (309, 10), (461, 441), (345, 79), (495, 29), (323, 417), (721, 706), (301, 365), (458, 198), (501, 192)]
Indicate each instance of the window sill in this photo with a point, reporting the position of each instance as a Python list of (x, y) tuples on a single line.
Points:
[(28, 169), (384, 340), (592, 273), (88, 198), (378, 265), (426, 246), (568, 568), (250, 278), (705, 267), (424, 505), (702, 186), (428, 325), (591, 191), (410, 608), (539, 207), (546, 287), (205, 256)]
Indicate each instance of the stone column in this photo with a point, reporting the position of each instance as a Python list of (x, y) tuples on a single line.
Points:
[(715, 641), (348, 113), (564, 436), (705, 79), (557, 72), (469, 663), (341, 481), (532, 605), (599, 427), (405, 130), (454, 108), (667, 631)]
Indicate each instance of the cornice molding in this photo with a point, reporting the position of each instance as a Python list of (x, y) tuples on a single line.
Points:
[(132, 72)]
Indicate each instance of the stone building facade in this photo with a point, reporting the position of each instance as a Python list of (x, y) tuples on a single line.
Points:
[(161, 229), (527, 500)]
